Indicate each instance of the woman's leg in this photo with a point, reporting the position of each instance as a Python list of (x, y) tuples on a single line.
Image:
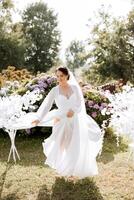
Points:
[(66, 137)]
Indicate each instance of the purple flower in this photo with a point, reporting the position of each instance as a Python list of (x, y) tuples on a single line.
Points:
[(43, 79), (40, 82), (41, 88), (53, 79), (104, 105), (90, 103), (45, 85), (94, 114), (49, 80), (101, 108), (96, 106)]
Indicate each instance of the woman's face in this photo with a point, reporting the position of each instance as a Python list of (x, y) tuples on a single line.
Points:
[(61, 78)]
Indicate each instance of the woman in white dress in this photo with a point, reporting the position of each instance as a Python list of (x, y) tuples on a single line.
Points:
[(76, 138)]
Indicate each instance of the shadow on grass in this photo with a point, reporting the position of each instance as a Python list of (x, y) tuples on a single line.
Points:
[(83, 189), (12, 196), (110, 148), (3, 178), (43, 194)]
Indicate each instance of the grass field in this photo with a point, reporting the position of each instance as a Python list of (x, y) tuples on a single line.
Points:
[(30, 179)]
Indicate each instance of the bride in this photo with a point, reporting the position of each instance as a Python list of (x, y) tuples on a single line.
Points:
[(76, 138)]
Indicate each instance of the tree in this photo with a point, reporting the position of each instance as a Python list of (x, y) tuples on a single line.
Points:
[(75, 55), (112, 51), (42, 37), (11, 53), (11, 48), (6, 7)]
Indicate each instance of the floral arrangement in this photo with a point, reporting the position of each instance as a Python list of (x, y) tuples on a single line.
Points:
[(11, 109), (122, 118)]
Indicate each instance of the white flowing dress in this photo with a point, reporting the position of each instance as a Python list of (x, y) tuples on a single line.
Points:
[(75, 142)]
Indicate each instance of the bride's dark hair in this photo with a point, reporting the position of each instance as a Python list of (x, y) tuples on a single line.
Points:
[(64, 70)]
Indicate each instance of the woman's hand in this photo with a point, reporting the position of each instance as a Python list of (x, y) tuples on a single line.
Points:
[(35, 122), (70, 113), (56, 119)]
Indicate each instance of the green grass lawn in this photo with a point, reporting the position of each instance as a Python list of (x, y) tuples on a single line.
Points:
[(30, 179)]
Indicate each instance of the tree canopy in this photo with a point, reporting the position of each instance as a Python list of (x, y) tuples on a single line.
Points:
[(75, 55), (112, 53), (42, 37)]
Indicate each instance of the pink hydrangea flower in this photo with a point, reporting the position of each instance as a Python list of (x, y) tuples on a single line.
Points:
[(90, 103), (94, 114), (96, 106)]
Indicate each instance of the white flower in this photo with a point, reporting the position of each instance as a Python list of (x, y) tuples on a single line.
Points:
[(103, 112)]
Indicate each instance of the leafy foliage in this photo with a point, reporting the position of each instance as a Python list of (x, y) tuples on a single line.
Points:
[(112, 52), (41, 35), (75, 55), (11, 49)]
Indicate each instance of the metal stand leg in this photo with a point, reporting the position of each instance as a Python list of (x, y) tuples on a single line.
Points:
[(13, 150)]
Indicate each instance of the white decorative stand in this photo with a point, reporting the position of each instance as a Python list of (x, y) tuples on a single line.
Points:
[(13, 150)]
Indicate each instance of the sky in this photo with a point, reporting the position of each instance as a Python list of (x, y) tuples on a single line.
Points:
[(73, 15)]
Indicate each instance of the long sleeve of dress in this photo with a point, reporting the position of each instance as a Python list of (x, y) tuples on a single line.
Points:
[(46, 105)]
